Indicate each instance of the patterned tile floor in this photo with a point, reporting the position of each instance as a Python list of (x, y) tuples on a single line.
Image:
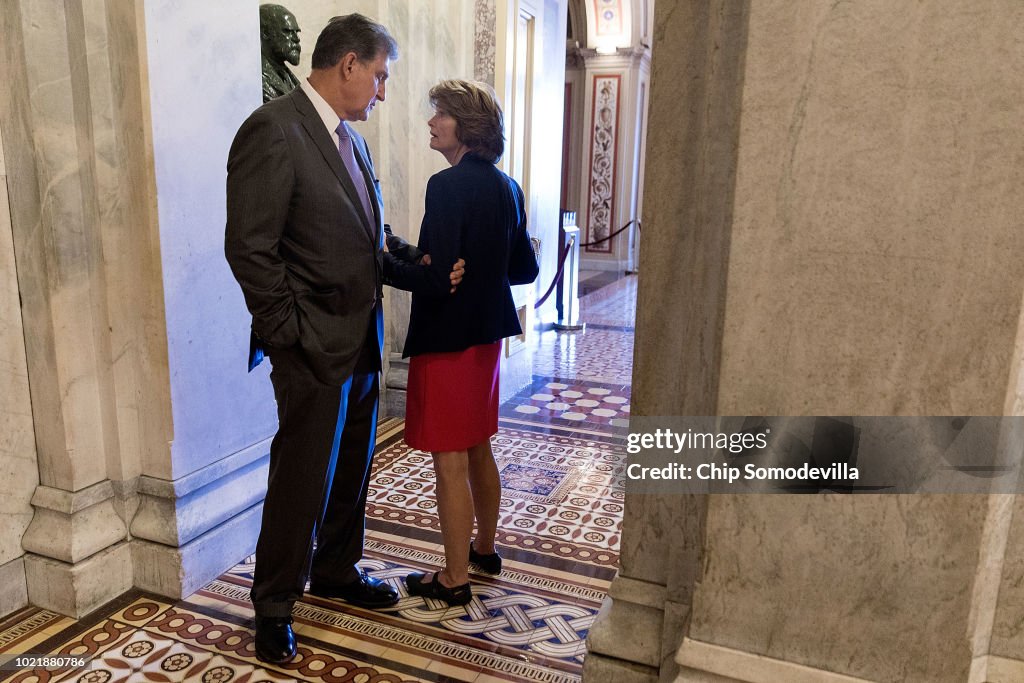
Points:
[(565, 402), (561, 454)]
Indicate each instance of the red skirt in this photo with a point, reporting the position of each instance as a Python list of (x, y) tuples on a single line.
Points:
[(452, 398)]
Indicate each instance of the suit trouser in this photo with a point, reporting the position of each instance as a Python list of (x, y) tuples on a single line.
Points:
[(316, 491)]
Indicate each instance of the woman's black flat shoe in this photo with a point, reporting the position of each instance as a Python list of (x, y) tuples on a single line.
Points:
[(489, 563), (460, 595)]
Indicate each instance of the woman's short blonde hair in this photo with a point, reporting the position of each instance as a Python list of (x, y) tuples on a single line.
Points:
[(479, 123)]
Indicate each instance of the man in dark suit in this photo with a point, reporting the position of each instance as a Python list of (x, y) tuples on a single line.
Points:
[(305, 240)]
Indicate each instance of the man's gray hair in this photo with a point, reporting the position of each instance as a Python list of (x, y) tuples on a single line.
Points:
[(352, 33)]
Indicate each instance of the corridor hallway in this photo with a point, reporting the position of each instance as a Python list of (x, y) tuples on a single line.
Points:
[(560, 453)]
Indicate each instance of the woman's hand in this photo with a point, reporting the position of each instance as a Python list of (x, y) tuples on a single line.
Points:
[(458, 270)]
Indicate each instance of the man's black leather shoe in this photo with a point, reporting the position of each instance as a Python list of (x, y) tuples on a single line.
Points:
[(363, 592), (275, 641)]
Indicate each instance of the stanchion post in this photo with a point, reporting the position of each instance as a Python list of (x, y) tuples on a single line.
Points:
[(569, 311)]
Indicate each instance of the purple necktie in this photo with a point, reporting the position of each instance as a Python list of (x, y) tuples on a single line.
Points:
[(348, 157)]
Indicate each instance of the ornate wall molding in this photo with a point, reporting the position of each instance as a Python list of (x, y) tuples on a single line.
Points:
[(485, 20), (602, 172)]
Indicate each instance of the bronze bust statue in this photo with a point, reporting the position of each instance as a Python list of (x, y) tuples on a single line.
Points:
[(279, 40)]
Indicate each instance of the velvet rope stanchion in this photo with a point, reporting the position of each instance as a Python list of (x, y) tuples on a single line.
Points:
[(565, 254), (605, 239), (570, 321), (557, 278)]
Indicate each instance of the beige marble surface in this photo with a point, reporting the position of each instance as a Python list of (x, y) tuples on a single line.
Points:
[(687, 207), (872, 270), (876, 228), (838, 206), (875, 587), (1008, 631), (13, 590), (59, 266), (126, 199), (18, 465), (873, 197), (76, 590)]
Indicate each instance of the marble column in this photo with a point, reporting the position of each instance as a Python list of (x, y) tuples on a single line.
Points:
[(688, 209), (831, 186), (17, 443), (116, 135), (77, 551)]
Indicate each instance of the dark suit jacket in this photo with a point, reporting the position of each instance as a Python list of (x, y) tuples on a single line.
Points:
[(476, 212), (307, 258)]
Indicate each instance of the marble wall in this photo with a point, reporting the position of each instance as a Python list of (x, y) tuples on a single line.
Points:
[(893, 146), (486, 20), (436, 41), (203, 80), (19, 473), (832, 187), (875, 196), (1008, 629)]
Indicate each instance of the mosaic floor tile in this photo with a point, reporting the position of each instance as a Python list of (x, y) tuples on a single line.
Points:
[(22, 631), (561, 496), (599, 355), (569, 403), (560, 452), (543, 622)]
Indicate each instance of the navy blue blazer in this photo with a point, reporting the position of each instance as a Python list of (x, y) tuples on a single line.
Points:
[(476, 212)]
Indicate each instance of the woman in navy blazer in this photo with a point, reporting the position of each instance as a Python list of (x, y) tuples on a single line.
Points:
[(476, 212)]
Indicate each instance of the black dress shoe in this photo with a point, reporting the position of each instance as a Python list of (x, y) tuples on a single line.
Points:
[(363, 592), (459, 595), (275, 641), (489, 563)]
